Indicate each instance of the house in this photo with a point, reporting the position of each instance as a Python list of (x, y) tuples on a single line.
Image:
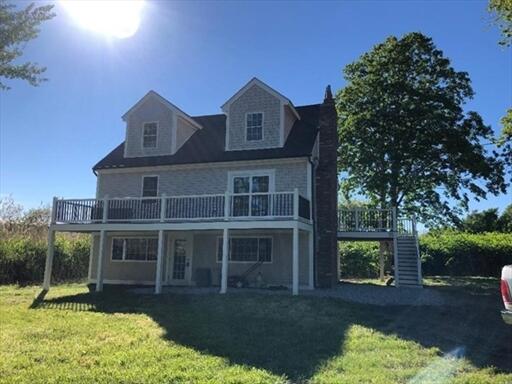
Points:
[(247, 197)]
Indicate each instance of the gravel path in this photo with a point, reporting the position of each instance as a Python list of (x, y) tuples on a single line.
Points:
[(359, 293)]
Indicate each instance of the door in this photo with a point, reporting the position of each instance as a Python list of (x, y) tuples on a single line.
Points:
[(179, 271)]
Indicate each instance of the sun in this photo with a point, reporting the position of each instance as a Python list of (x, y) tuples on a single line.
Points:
[(114, 18)]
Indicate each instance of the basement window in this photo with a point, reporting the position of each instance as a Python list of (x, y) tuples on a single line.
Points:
[(247, 249), (134, 249)]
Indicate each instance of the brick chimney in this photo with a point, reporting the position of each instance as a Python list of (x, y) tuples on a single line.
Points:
[(326, 192)]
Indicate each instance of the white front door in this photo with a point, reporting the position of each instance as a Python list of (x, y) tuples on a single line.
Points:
[(179, 256)]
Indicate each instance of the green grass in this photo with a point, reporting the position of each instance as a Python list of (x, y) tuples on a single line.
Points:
[(73, 336)]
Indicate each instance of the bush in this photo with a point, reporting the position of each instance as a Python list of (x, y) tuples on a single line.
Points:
[(359, 259), (442, 253), (465, 254), (22, 259)]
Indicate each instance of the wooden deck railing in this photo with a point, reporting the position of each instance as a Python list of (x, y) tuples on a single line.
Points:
[(374, 220), (274, 205)]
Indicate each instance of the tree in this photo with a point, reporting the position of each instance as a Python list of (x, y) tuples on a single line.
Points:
[(479, 222), (502, 10), (16, 28), (405, 140), (505, 220)]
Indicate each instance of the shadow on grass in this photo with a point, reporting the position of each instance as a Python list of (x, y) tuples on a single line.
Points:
[(294, 336)]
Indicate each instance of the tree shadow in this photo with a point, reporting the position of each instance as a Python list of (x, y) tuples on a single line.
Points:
[(295, 336)]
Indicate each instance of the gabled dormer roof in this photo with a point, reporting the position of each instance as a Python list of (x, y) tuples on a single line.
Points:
[(164, 101), (261, 84)]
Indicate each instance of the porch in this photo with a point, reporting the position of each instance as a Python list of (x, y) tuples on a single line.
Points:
[(162, 216)]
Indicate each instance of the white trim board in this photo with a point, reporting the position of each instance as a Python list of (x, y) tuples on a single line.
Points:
[(165, 102), (220, 164)]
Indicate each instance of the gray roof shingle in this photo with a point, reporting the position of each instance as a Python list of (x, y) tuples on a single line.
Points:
[(207, 145)]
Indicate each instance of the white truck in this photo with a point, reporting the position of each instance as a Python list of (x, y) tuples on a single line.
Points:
[(506, 293)]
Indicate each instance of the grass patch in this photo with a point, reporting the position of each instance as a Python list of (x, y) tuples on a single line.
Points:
[(73, 336)]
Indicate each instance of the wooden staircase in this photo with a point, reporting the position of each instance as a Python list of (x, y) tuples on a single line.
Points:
[(407, 262)]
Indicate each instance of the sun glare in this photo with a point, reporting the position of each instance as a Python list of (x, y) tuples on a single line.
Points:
[(116, 18)]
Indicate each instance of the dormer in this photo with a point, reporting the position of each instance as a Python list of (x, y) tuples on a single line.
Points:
[(155, 127), (258, 117)]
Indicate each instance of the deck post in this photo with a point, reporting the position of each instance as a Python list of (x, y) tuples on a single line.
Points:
[(382, 249), (49, 260), (296, 204), (163, 207), (225, 261), (101, 257), (104, 217), (295, 261), (159, 263), (227, 204), (311, 266), (395, 246)]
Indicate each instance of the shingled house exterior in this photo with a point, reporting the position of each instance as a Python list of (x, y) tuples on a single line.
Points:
[(227, 199), (247, 197)]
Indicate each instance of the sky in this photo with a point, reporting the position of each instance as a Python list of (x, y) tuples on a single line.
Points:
[(197, 55)]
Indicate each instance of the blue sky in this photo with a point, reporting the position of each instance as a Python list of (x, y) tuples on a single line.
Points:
[(197, 54)]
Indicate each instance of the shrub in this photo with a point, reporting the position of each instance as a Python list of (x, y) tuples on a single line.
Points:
[(442, 253), (464, 254), (22, 259), (359, 259)]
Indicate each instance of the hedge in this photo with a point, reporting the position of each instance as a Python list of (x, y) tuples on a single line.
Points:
[(22, 259), (442, 253)]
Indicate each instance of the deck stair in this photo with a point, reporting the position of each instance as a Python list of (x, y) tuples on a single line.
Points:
[(362, 224), (408, 272)]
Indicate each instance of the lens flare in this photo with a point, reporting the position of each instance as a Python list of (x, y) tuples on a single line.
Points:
[(117, 18)]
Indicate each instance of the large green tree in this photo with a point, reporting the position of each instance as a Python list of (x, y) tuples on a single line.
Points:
[(16, 28), (405, 139), (502, 11)]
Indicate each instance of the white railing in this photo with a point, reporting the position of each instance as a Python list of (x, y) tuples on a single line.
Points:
[(181, 208), (374, 220)]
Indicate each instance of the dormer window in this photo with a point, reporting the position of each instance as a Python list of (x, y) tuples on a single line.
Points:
[(254, 126), (149, 135)]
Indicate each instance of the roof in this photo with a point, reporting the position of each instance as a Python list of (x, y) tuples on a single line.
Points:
[(207, 145), (269, 89), (165, 102)]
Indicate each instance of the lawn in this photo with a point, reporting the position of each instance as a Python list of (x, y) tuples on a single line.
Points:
[(74, 336)]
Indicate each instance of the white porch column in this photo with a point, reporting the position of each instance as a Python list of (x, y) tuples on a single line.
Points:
[(311, 266), (225, 261), (49, 260), (101, 257), (159, 263), (295, 261)]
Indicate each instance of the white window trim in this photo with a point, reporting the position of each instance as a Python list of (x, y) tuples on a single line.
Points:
[(262, 127), (219, 239), (157, 186), (142, 137), (124, 260), (250, 173)]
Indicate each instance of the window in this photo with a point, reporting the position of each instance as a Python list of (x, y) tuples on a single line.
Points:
[(247, 249), (254, 126), (254, 198), (149, 186), (149, 135), (134, 249)]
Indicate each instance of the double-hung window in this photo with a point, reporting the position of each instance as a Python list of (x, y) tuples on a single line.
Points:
[(149, 186), (254, 126), (134, 249), (149, 135), (251, 195), (247, 249)]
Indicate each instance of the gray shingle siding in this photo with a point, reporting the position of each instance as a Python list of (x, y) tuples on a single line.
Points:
[(289, 120), (150, 110), (204, 179), (255, 99)]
